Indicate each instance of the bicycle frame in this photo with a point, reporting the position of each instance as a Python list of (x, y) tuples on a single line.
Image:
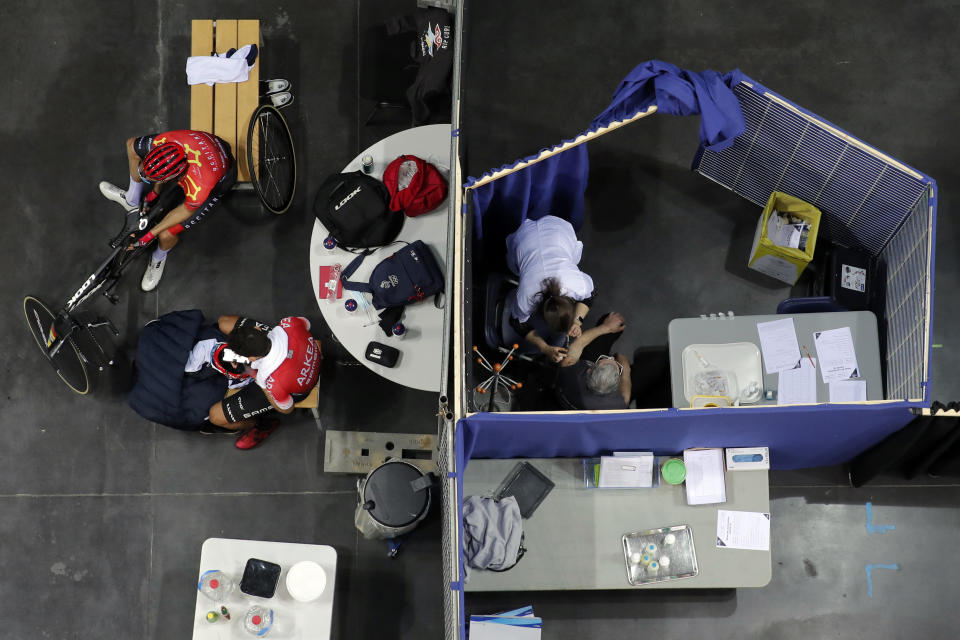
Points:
[(107, 272)]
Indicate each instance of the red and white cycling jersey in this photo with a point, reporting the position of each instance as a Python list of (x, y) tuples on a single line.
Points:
[(207, 161), (293, 364)]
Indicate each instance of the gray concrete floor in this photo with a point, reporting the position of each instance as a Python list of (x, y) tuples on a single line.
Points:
[(882, 71), (104, 513)]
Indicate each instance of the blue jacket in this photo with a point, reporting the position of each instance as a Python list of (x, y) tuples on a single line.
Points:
[(162, 392)]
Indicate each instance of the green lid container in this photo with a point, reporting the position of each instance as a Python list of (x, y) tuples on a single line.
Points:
[(674, 471)]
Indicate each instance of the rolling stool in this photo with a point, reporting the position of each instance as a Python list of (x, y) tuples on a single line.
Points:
[(496, 383)]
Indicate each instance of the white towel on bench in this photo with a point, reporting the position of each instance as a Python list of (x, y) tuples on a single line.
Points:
[(212, 70)]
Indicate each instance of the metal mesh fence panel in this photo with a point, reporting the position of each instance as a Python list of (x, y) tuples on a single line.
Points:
[(868, 200), (450, 537), (907, 307)]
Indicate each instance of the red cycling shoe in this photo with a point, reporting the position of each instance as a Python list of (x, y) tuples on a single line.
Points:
[(256, 434)]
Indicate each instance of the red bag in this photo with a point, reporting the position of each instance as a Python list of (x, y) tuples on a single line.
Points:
[(415, 185)]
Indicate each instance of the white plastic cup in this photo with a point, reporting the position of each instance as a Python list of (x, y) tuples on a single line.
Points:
[(306, 581)]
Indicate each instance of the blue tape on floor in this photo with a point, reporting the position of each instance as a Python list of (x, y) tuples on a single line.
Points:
[(871, 567), (876, 528)]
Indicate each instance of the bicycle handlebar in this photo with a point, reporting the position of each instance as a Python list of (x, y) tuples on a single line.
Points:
[(136, 222)]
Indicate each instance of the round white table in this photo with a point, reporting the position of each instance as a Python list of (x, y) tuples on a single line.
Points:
[(421, 349)]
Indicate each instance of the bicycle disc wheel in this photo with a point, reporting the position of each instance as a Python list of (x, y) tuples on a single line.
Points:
[(68, 362), (271, 158)]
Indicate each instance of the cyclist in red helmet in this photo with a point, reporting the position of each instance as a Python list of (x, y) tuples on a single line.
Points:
[(200, 163)]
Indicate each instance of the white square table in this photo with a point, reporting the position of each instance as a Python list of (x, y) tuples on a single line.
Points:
[(309, 620)]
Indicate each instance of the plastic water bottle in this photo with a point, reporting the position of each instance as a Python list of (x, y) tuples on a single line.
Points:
[(216, 585), (258, 621)]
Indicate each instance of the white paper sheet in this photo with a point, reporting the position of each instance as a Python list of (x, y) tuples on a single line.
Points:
[(838, 360), (705, 480), (778, 342), (848, 390), (798, 386), (743, 530), (490, 630), (783, 234), (635, 470)]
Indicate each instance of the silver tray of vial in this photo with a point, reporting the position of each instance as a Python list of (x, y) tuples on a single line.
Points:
[(659, 555)]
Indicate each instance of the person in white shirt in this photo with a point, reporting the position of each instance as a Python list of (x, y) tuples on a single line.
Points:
[(553, 295)]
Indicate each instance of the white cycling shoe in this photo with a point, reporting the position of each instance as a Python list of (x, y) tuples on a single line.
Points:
[(274, 86), (281, 99), (151, 277), (116, 194)]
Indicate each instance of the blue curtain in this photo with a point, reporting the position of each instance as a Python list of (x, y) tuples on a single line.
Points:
[(552, 187), (556, 186), (678, 92), (798, 437)]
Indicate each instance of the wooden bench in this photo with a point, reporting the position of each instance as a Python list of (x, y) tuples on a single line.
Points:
[(225, 109)]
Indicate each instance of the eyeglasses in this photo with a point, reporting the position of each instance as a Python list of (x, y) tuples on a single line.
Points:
[(619, 366), (143, 178)]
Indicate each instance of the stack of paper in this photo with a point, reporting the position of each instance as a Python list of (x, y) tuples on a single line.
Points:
[(778, 341), (798, 386), (519, 624), (838, 359), (705, 482), (626, 469), (848, 390), (743, 530)]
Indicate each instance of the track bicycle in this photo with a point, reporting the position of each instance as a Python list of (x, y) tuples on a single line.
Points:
[(57, 333), (273, 171)]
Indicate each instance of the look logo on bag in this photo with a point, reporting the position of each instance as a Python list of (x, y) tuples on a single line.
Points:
[(353, 207), (415, 185)]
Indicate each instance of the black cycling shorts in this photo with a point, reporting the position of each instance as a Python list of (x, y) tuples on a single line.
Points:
[(249, 402)]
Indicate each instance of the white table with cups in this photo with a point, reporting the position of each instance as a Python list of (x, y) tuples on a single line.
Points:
[(421, 345), (301, 607)]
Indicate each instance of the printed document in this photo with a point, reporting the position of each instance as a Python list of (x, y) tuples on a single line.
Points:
[(848, 390), (784, 234), (705, 481), (798, 386), (778, 341), (635, 470), (838, 360), (743, 530)]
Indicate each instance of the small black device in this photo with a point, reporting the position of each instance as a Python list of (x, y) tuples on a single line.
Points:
[(382, 354), (528, 485), (260, 578)]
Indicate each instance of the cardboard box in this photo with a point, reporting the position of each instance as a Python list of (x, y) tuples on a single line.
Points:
[(747, 458), (784, 263)]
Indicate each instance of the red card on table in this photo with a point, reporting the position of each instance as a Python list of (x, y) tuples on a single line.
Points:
[(330, 286)]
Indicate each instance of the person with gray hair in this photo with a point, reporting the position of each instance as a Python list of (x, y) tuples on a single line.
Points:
[(590, 378)]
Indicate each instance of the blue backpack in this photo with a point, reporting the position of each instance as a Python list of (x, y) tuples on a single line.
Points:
[(410, 275)]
